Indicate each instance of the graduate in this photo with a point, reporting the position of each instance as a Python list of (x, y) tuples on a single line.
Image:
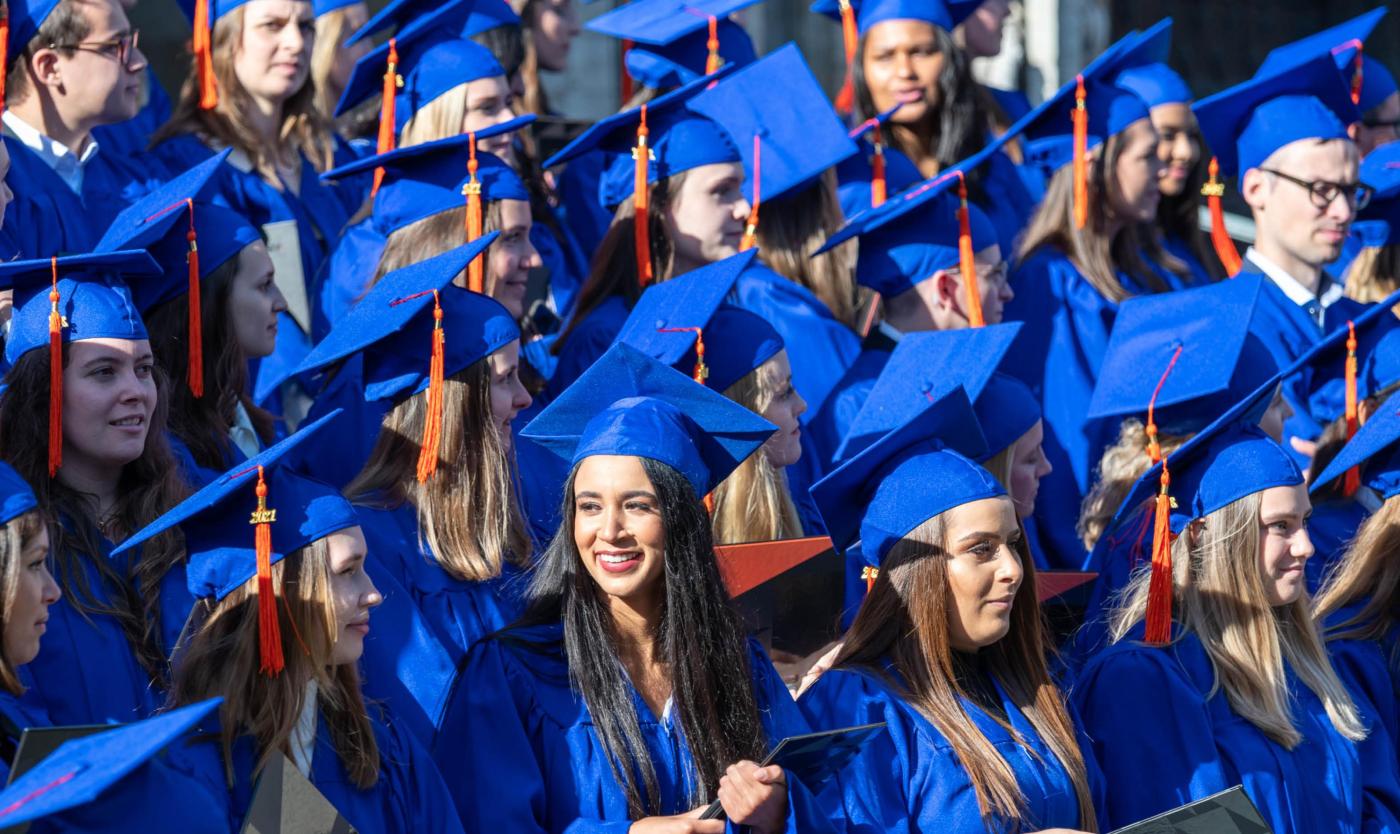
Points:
[(548, 28), (947, 648), (627, 696), (91, 441), (979, 35), (686, 324), (285, 605), (1373, 271), (1216, 664), (204, 333)]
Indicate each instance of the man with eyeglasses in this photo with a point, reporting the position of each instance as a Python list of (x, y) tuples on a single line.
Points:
[(1284, 135), (73, 65)]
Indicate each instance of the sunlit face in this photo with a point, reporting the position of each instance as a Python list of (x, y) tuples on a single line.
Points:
[(508, 395), (511, 257), (1284, 212), (1028, 466), (902, 64), (356, 15), (1178, 146), (706, 216), (273, 58), (352, 592), (984, 571), (254, 302), (618, 530), (553, 26), (784, 448), (1284, 545), (35, 591), (1135, 173), (109, 395), (96, 86), (489, 102)]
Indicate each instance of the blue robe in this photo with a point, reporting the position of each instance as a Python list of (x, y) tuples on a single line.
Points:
[(1164, 740), (829, 426), (1331, 527), (336, 454), (854, 173), (409, 795), (520, 754), (346, 272), (588, 341), (1182, 251), (1371, 671), (908, 779), (579, 210), (47, 217)]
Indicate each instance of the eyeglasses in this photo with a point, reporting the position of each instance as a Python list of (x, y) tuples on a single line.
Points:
[(120, 49), (1323, 193), (1392, 125)]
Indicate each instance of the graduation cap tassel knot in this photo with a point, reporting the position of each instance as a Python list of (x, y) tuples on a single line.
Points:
[(750, 239), (966, 264), (1081, 155), (196, 347), (713, 61), (641, 203), (55, 375), (1225, 249), (202, 44), (387, 116), (476, 280), (269, 629), (1353, 476), (850, 41), (879, 187)]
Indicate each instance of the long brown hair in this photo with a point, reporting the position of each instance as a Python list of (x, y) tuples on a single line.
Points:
[(332, 28), (754, 504), (793, 226), (149, 486), (303, 129), (14, 535), (1096, 255), (1369, 573), (474, 471), (222, 659), (905, 618), (203, 423)]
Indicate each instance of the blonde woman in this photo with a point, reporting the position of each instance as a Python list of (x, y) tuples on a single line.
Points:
[(332, 59), (1215, 665), (1374, 272)]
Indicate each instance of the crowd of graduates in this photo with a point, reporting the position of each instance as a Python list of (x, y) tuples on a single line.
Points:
[(361, 410)]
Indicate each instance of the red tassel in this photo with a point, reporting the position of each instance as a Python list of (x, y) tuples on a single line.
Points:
[(432, 429), (476, 278), (879, 187), (625, 86), (1159, 593), (702, 371), (196, 348), (641, 204), (202, 44), (56, 325), (392, 82), (966, 263), (4, 52), (1353, 476), (850, 40), (1356, 75), (269, 629), (713, 61), (1081, 155), (750, 239), (1225, 249)]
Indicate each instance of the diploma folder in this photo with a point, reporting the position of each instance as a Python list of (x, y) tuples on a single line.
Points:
[(285, 802), (813, 757), (1227, 812), (36, 743)]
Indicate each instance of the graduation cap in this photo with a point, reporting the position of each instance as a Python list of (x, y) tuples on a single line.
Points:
[(1377, 84), (1142, 68), (685, 323), (23, 18), (285, 512), (415, 329), (1378, 224), (872, 130), (70, 299), (676, 42), (915, 472), (16, 496), (627, 403), (190, 238), (1374, 451), (320, 7), (925, 368), (81, 770), (1345, 43), (921, 231), (1247, 123), (779, 119)]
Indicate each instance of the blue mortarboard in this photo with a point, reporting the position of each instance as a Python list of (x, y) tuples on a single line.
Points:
[(26, 16), (776, 109), (1376, 449), (1378, 365), (487, 15), (923, 368), (320, 7), (1247, 123), (1006, 409), (672, 38), (629, 404), (912, 236), (1142, 68), (392, 325), (1220, 360), (1377, 84), (1379, 223), (467, 18), (911, 474), (81, 769), (1048, 130), (16, 496), (870, 12), (1339, 41), (663, 323), (427, 179), (431, 61)]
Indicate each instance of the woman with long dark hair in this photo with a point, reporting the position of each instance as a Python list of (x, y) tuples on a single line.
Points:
[(627, 694), (947, 648)]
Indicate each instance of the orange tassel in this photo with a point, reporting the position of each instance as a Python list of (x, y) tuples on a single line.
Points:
[(641, 204), (1081, 155), (4, 52), (702, 371), (751, 230), (713, 61), (1225, 249), (476, 278), (269, 629), (878, 185), (202, 44), (196, 349), (1356, 74), (625, 87), (850, 40), (1159, 594), (1353, 476), (432, 429), (965, 258), (869, 574), (710, 503), (56, 324), (392, 82)]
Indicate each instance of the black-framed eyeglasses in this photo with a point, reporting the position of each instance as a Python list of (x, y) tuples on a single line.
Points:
[(122, 49), (1323, 193), (1382, 124)]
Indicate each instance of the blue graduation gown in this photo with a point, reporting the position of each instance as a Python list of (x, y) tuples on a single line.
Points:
[(908, 779), (565, 262), (336, 454), (520, 753), (1164, 740), (829, 426), (47, 213), (347, 271), (1371, 671), (853, 175), (409, 795), (1182, 251), (579, 210), (588, 341), (1331, 528)]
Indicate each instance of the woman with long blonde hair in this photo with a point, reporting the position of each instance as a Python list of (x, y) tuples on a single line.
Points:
[(1216, 665), (947, 648), (333, 59)]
